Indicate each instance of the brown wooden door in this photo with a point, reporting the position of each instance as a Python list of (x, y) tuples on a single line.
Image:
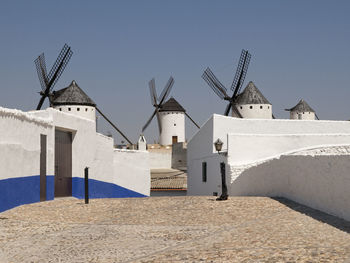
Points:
[(63, 163), (174, 139)]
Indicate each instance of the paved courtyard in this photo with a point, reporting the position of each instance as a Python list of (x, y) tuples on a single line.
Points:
[(176, 229)]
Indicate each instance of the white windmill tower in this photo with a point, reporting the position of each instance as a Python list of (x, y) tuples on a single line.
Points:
[(302, 111), (170, 115)]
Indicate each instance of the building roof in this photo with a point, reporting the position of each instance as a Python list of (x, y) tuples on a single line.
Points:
[(172, 105), (72, 95), (168, 179), (251, 95), (302, 106)]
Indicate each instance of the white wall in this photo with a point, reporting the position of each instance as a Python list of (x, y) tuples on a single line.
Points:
[(248, 148), (160, 159), (308, 115), (20, 143), (173, 124), (255, 111), (132, 170), (87, 112), (318, 178)]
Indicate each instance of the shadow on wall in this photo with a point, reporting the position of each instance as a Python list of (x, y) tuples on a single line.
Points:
[(334, 221)]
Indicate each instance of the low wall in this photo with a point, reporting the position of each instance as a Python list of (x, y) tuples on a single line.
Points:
[(318, 178), (160, 159)]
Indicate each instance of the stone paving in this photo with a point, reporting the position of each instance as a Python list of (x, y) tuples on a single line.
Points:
[(172, 229)]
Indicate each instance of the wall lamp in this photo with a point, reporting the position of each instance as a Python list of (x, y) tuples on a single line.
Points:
[(218, 146)]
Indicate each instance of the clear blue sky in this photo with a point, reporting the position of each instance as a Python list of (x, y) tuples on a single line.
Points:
[(300, 49)]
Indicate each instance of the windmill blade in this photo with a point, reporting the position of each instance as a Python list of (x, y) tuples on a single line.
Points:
[(166, 90), (227, 110), (215, 84), (188, 116), (241, 72), (273, 116), (152, 90), (235, 109), (114, 126), (41, 70), (317, 117), (59, 66), (149, 120), (159, 123)]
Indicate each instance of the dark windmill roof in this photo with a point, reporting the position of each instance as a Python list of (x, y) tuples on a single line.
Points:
[(251, 95), (72, 95), (172, 105), (302, 106)]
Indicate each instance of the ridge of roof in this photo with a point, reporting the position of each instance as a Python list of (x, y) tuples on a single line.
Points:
[(71, 95), (251, 95)]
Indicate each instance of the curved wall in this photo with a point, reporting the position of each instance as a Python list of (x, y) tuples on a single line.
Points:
[(173, 124), (87, 112), (295, 115), (255, 111)]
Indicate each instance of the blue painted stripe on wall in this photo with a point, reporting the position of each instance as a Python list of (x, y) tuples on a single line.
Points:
[(19, 191), (50, 187), (99, 189)]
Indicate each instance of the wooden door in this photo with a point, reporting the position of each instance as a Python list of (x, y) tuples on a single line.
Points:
[(174, 139), (63, 163)]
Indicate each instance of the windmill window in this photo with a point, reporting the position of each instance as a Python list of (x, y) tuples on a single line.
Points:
[(86, 109), (204, 172), (174, 124), (78, 109), (268, 107), (261, 107), (251, 107), (68, 109), (241, 107), (60, 109)]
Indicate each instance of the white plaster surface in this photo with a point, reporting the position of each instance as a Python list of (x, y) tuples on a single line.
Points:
[(318, 178), (160, 159), (307, 115), (254, 111), (87, 112), (173, 124)]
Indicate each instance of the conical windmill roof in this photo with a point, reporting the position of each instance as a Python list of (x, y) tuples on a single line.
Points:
[(172, 105), (251, 95), (72, 95), (302, 106)]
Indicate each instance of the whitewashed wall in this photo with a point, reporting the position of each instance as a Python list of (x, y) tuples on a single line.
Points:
[(173, 124), (20, 143), (132, 170), (160, 159), (318, 178), (255, 111)]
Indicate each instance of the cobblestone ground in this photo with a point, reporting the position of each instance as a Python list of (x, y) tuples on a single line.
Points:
[(176, 229)]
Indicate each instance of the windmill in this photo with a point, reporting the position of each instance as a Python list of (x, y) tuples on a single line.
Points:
[(236, 86), (48, 81), (159, 102)]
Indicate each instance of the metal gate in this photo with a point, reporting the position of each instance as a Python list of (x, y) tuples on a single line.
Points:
[(63, 163)]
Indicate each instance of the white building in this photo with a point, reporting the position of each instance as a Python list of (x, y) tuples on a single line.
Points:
[(44, 154), (172, 119), (307, 161), (301, 111), (252, 104)]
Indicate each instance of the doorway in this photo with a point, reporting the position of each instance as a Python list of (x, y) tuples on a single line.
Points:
[(63, 163), (174, 139)]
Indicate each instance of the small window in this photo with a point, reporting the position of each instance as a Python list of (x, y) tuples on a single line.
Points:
[(174, 124), (60, 109), (241, 107), (251, 107), (68, 109), (260, 107), (78, 109), (86, 109), (204, 172), (268, 107), (303, 112)]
